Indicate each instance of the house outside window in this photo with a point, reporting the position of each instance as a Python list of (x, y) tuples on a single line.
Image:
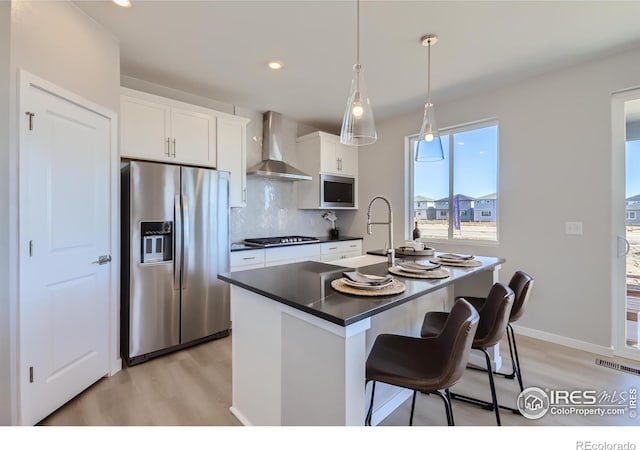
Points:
[(467, 207)]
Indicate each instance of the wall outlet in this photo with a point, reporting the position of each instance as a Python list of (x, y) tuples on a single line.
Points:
[(573, 228)]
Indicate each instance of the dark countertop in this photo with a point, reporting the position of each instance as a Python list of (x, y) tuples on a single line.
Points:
[(307, 286), (239, 246)]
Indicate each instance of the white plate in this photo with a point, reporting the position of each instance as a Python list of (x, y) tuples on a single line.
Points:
[(455, 258), (410, 270), (367, 287)]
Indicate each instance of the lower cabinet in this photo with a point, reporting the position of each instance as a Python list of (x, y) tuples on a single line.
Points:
[(335, 251), (325, 252), (295, 253), (247, 259)]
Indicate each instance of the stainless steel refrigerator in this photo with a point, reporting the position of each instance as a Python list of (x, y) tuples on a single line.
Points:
[(175, 240)]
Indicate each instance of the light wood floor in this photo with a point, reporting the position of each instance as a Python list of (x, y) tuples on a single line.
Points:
[(193, 387)]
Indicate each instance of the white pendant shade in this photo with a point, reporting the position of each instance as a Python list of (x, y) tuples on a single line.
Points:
[(358, 126), (429, 145)]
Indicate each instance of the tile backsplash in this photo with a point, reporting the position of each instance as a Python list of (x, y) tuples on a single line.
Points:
[(272, 204), (271, 211)]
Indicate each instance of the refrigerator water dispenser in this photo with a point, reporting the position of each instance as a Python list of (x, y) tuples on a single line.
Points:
[(157, 242)]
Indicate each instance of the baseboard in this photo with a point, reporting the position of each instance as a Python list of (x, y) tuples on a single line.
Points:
[(380, 413), (563, 340), (243, 420)]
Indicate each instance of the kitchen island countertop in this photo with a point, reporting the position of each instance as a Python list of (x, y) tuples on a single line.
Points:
[(306, 286)]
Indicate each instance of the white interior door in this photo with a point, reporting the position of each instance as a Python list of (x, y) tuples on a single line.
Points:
[(626, 223), (64, 227)]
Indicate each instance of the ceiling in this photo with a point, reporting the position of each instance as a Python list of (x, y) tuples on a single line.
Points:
[(219, 49)]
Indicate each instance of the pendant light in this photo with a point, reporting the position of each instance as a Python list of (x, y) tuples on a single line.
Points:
[(429, 145), (358, 127)]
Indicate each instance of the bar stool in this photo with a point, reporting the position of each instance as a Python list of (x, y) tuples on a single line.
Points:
[(494, 316), (429, 365), (521, 284)]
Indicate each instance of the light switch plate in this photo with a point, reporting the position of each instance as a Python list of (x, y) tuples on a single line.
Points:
[(573, 228)]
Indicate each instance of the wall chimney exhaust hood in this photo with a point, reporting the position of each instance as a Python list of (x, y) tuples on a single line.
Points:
[(272, 165)]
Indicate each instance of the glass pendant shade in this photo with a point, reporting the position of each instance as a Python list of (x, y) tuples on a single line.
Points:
[(429, 145), (358, 126)]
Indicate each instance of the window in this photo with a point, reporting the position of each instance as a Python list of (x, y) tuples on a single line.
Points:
[(630, 215), (463, 187)]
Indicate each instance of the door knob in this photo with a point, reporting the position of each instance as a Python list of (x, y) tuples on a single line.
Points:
[(103, 259)]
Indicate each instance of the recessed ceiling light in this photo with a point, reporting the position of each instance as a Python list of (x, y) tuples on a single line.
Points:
[(123, 3), (275, 65)]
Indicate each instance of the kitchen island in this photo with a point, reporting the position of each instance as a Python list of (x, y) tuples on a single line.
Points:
[(299, 347)]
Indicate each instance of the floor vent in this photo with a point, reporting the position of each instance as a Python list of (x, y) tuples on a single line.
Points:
[(616, 366)]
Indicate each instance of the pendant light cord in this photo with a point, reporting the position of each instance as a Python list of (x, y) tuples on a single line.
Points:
[(429, 72), (358, 33)]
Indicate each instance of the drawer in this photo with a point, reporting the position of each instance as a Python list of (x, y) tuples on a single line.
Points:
[(247, 258), (328, 248), (336, 257), (302, 252)]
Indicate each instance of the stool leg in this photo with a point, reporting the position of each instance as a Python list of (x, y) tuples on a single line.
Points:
[(517, 359), (413, 405), (492, 385), (511, 375), (446, 399), (367, 420)]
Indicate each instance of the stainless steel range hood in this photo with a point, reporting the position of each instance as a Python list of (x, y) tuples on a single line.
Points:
[(272, 165)]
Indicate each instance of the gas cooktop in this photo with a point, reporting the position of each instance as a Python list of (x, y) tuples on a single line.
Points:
[(281, 240)]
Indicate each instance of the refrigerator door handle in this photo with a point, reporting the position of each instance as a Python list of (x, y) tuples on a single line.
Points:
[(185, 234), (177, 238)]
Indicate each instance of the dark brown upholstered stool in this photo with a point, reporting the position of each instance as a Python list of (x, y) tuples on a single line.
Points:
[(494, 316), (430, 364), (520, 284)]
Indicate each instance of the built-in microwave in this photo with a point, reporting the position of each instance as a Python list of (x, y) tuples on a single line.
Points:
[(337, 192)]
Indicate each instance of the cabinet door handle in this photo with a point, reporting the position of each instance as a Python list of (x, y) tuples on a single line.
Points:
[(248, 258), (333, 248), (353, 246), (168, 147), (174, 147), (244, 194)]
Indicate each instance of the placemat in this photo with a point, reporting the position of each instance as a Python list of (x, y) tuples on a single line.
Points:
[(469, 263), (396, 287), (427, 274)]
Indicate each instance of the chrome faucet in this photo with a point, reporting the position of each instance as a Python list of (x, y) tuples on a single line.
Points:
[(391, 250)]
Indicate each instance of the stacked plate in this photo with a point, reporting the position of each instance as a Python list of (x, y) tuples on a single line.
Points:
[(452, 257), (416, 268), (368, 282)]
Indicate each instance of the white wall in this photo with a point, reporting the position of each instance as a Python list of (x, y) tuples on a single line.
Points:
[(58, 42), (5, 396), (555, 153)]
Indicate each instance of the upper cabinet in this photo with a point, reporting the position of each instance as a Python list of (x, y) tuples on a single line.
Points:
[(335, 158), (232, 155), (322, 153), (155, 128), (160, 129)]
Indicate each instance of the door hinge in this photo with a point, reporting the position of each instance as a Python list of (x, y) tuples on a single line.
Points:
[(31, 374), (30, 114), (30, 248)]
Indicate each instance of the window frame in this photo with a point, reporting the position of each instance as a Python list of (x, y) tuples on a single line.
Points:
[(409, 183)]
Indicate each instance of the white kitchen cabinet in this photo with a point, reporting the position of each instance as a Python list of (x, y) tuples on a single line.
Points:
[(232, 155), (334, 251), (290, 254), (161, 129), (247, 259), (322, 153), (330, 156)]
